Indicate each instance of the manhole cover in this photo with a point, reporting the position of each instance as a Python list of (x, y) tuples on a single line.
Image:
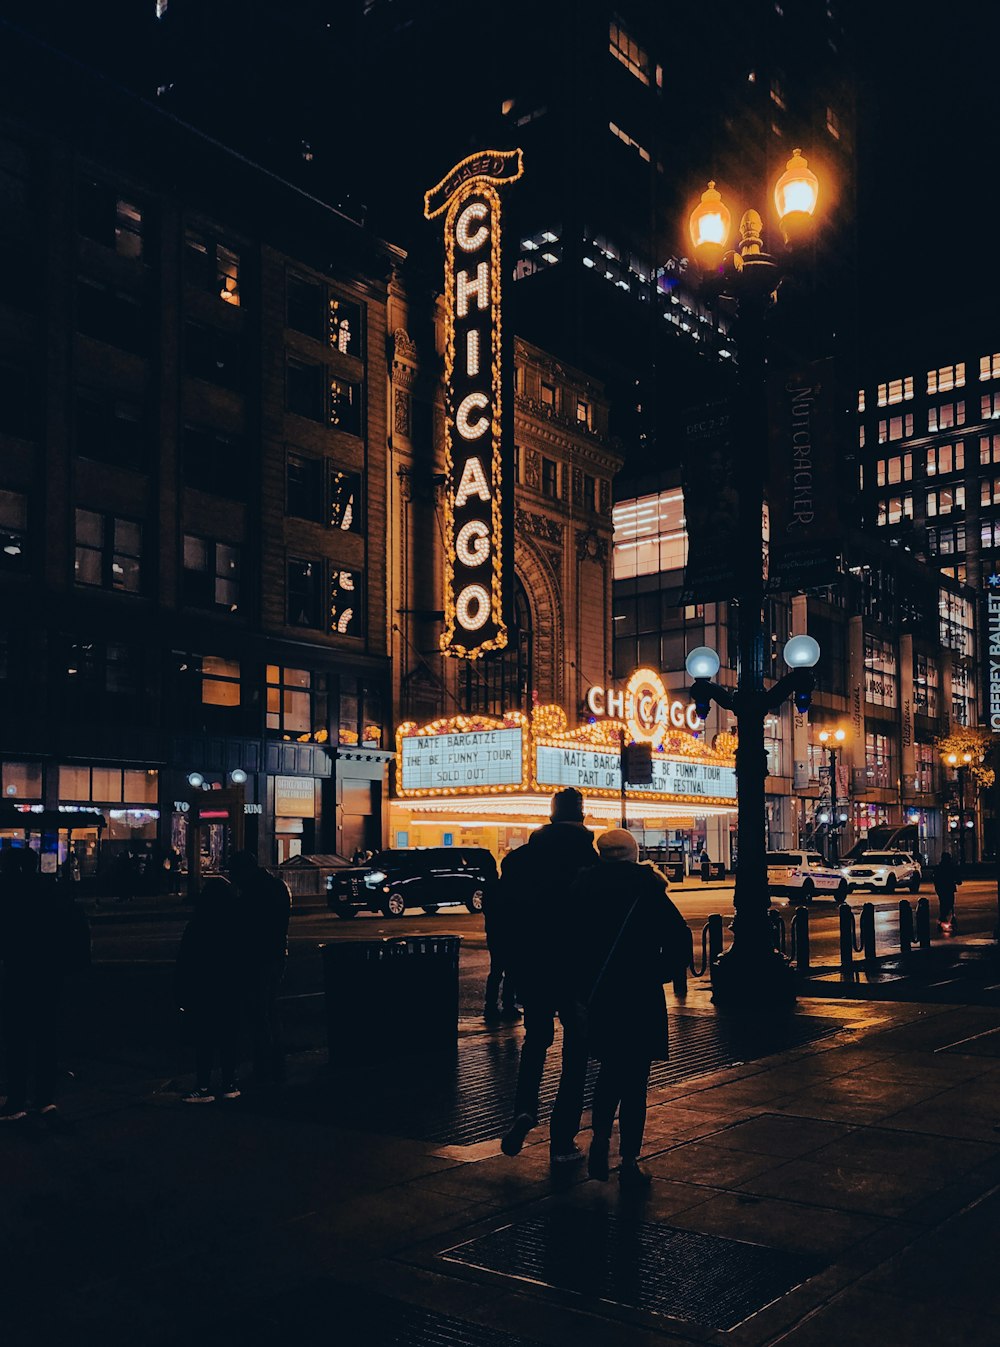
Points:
[(707, 1280)]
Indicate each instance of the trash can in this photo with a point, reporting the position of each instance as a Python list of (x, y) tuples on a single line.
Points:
[(386, 998)]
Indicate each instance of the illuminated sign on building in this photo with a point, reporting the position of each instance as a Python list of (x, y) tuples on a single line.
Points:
[(648, 710), (991, 652), (479, 755), (476, 760), (478, 430)]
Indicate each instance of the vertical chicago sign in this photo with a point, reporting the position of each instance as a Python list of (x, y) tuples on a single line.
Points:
[(478, 410)]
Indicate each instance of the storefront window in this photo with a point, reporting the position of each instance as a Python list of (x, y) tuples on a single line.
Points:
[(101, 785), (21, 780)]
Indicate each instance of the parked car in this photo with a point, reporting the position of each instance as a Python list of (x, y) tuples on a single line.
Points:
[(802, 875), (401, 878), (884, 871)]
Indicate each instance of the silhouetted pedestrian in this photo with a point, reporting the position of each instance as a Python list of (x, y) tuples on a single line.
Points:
[(705, 866), (44, 940), (265, 907), (946, 881), (124, 877), (500, 1000), (209, 983), (632, 940), (535, 880)]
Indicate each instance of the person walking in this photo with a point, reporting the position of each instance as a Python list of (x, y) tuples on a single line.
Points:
[(705, 866), (44, 941), (535, 881), (265, 904), (946, 881), (500, 998), (631, 940), (209, 980)]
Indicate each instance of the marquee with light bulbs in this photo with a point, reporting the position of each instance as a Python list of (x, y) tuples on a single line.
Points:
[(463, 757), (478, 418)]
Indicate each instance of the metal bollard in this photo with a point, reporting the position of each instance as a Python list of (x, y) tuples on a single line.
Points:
[(905, 927), (777, 930), (923, 923), (800, 939), (846, 918), (714, 937), (867, 924)]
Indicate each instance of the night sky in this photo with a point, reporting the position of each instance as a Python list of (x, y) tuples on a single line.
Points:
[(929, 225)]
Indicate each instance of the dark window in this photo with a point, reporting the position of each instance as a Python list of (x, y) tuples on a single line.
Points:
[(110, 219), (15, 180), (589, 492), (345, 501), (304, 593), (305, 306), (211, 573), (304, 389), (345, 326), (550, 478), (345, 406), (109, 430), (13, 530), (304, 487), (212, 266), (213, 355), (111, 315), (108, 552), (215, 462), (18, 402), (347, 616), (102, 681)]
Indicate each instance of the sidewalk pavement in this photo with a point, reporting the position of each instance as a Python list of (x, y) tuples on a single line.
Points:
[(846, 1190)]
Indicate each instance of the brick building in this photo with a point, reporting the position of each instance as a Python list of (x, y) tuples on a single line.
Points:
[(192, 481)]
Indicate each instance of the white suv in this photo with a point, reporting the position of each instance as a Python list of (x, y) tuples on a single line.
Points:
[(884, 871), (801, 875)]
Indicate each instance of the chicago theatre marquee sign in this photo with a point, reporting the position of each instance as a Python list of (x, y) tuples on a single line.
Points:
[(478, 414)]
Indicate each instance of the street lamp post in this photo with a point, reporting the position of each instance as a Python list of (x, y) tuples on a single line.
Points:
[(960, 762), (832, 740), (752, 972)]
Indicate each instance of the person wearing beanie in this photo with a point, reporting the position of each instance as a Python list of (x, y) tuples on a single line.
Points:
[(631, 940), (534, 886)]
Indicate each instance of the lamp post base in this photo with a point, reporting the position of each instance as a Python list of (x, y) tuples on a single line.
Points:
[(761, 979)]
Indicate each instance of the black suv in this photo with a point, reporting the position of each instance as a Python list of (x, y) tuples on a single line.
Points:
[(427, 877)]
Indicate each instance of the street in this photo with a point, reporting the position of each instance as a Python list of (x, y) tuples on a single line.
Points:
[(133, 959)]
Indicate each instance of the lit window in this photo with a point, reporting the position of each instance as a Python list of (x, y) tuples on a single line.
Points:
[(583, 412), (110, 220), (212, 266), (548, 396), (631, 55), (989, 449), (220, 681), (861, 399), (777, 95), (989, 406), (833, 123), (550, 478), (944, 458), (989, 491), (943, 379), (945, 499), (289, 701), (896, 390), (346, 602), (989, 366), (947, 415), (627, 139), (649, 535)]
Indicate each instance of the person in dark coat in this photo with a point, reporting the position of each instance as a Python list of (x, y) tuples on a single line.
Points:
[(44, 941), (500, 998), (265, 908), (946, 881), (631, 939), (705, 866), (535, 881), (210, 977)]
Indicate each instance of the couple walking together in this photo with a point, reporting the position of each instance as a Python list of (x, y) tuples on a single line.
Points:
[(592, 937)]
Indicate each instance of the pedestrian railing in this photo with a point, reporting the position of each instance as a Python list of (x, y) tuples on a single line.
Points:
[(857, 935)]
